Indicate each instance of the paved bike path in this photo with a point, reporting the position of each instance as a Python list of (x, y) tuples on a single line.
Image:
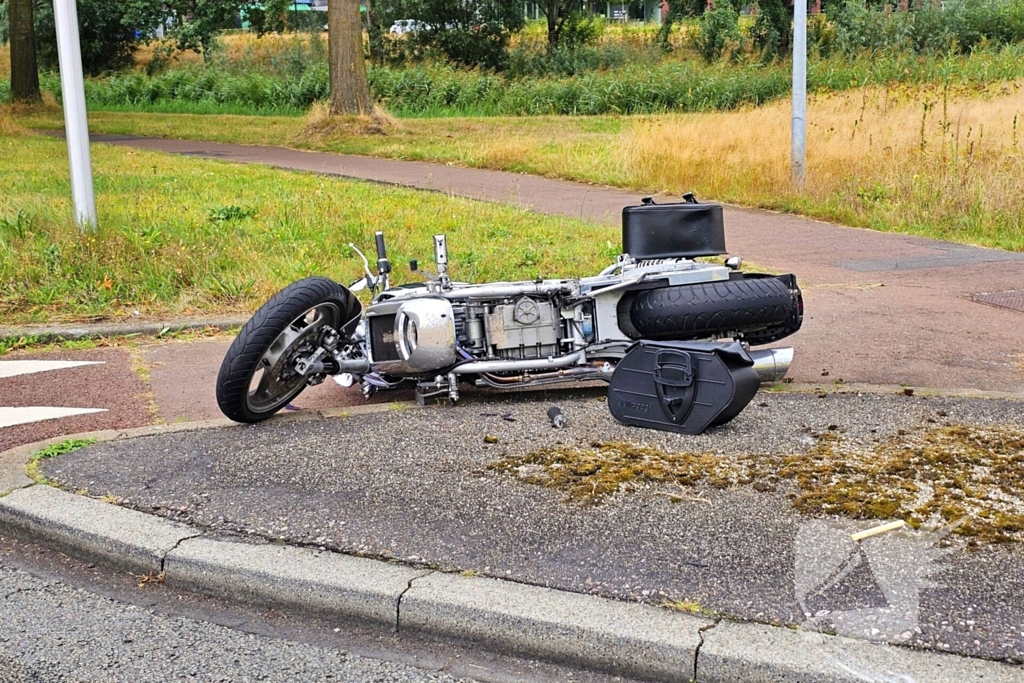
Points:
[(882, 308)]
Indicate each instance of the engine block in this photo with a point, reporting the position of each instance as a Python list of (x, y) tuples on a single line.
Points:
[(525, 328)]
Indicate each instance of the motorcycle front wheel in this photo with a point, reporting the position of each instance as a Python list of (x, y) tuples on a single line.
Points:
[(258, 377)]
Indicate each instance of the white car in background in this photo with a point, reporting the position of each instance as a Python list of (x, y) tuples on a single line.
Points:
[(404, 26)]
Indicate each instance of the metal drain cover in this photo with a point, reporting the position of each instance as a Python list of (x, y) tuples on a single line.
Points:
[(1012, 299)]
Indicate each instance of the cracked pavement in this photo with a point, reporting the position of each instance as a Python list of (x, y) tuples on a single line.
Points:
[(413, 485)]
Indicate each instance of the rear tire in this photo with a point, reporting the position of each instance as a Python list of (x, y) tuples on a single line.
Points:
[(713, 309), (257, 377)]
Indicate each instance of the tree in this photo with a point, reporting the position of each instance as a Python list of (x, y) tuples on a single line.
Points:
[(772, 31), (24, 69), (107, 32), (350, 93), (556, 12), (475, 33)]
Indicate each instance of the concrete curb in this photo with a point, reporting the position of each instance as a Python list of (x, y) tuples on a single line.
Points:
[(88, 528), (757, 653), (622, 638), (290, 577), (52, 333), (628, 639)]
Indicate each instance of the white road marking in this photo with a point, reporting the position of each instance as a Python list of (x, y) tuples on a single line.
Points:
[(24, 415), (27, 414), (13, 368)]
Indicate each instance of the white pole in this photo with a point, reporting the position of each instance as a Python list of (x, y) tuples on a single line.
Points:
[(72, 88), (799, 143)]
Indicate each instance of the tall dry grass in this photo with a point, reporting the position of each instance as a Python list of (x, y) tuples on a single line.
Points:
[(8, 126), (938, 161), (232, 48), (5, 62), (320, 126)]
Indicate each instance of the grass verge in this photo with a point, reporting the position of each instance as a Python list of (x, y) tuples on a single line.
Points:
[(183, 236), (942, 160), (36, 344)]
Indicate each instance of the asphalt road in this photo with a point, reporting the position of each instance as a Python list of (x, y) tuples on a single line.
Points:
[(881, 309), (414, 485), (61, 620), (52, 632)]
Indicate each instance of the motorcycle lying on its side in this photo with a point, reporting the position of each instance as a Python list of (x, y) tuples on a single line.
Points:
[(656, 300)]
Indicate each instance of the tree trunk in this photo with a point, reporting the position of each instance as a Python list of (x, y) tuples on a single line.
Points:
[(350, 93), (24, 71), (552, 15)]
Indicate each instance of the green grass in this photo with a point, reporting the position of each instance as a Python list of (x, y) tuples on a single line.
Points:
[(52, 451), (580, 148), (185, 236), (201, 108), (967, 200), (681, 83)]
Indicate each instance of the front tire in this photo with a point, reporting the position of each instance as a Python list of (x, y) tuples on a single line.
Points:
[(257, 377)]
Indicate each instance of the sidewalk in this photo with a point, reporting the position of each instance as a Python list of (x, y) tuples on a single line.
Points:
[(883, 309), (478, 552)]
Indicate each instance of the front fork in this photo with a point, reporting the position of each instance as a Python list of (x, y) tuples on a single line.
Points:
[(328, 359)]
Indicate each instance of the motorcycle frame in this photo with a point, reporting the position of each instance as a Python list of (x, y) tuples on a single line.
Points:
[(584, 361)]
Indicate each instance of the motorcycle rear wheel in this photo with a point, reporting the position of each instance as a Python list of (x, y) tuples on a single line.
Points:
[(708, 309), (257, 377)]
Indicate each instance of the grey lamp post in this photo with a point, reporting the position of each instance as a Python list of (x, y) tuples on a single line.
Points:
[(72, 88), (798, 161)]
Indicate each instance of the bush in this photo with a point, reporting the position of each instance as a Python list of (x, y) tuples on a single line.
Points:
[(479, 46), (5, 26), (773, 29), (287, 75), (719, 30), (580, 30), (962, 26), (472, 34), (562, 61)]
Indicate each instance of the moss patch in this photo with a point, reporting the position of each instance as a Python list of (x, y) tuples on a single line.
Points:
[(591, 473), (927, 476)]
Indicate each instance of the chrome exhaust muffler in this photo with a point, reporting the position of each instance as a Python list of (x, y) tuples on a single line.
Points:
[(772, 364)]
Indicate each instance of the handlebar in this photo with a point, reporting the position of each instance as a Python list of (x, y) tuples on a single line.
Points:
[(383, 265)]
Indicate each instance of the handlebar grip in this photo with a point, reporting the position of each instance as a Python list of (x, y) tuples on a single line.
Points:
[(381, 251)]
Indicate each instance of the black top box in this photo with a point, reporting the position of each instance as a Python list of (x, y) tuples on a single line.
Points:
[(682, 230)]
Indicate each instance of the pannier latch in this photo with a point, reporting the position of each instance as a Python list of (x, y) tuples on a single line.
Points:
[(673, 379)]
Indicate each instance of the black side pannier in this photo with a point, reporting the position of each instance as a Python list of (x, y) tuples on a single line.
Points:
[(681, 230), (682, 387)]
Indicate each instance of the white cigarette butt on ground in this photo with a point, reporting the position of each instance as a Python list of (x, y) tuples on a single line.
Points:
[(875, 530)]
